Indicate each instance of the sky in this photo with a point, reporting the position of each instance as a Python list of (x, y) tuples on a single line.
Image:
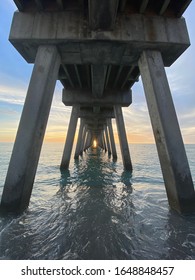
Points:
[(15, 75)]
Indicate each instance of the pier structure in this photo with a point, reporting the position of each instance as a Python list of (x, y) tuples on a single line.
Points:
[(95, 122), (98, 50)]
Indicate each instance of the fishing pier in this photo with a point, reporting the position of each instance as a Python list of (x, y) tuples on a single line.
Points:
[(98, 50)]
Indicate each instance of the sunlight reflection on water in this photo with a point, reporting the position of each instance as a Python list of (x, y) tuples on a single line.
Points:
[(98, 211)]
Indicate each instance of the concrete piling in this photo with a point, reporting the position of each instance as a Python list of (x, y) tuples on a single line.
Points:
[(107, 140), (100, 144), (79, 140), (172, 155), (123, 138), (88, 141), (83, 140), (112, 141), (28, 143), (70, 138), (104, 141)]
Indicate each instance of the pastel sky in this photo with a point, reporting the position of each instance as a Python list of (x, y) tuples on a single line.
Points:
[(15, 75)]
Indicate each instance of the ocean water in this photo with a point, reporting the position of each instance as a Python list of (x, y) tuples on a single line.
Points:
[(96, 210)]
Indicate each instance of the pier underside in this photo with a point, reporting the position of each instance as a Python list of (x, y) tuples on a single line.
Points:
[(98, 50)]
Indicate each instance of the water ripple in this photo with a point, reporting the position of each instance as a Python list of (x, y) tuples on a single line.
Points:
[(97, 211)]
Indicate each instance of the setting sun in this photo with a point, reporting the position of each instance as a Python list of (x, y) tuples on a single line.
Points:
[(94, 144)]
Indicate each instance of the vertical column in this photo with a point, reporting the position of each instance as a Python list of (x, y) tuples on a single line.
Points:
[(28, 143), (122, 138), (173, 160), (104, 142), (99, 139), (69, 139), (87, 141), (79, 140), (107, 140), (113, 146), (83, 140)]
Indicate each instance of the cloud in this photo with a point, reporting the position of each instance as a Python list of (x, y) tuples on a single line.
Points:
[(11, 104), (181, 77), (10, 96)]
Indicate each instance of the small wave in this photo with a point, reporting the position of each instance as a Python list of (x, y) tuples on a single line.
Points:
[(96, 210)]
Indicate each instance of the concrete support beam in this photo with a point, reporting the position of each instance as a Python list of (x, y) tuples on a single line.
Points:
[(27, 147), (112, 142), (79, 140), (19, 4), (70, 138), (68, 76), (89, 144), (88, 141), (95, 127), (60, 4), (173, 160), (83, 140), (96, 109), (122, 46), (93, 115), (94, 121), (39, 4), (122, 5), (143, 6), (102, 15), (164, 6), (101, 144), (98, 77), (84, 97), (107, 140), (123, 138), (99, 140), (104, 141), (78, 76), (183, 7)]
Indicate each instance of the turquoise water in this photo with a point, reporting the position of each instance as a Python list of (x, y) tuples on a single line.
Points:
[(97, 211)]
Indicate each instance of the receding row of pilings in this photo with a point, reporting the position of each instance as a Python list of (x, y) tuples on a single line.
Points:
[(96, 127), (27, 147)]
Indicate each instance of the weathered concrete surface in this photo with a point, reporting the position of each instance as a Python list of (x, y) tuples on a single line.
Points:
[(85, 98), (107, 140), (79, 140), (102, 14), (83, 139), (123, 138), (79, 45), (94, 122), (106, 114), (70, 138), (88, 141), (27, 147), (112, 141), (95, 127), (98, 79), (174, 163), (104, 140), (100, 142)]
